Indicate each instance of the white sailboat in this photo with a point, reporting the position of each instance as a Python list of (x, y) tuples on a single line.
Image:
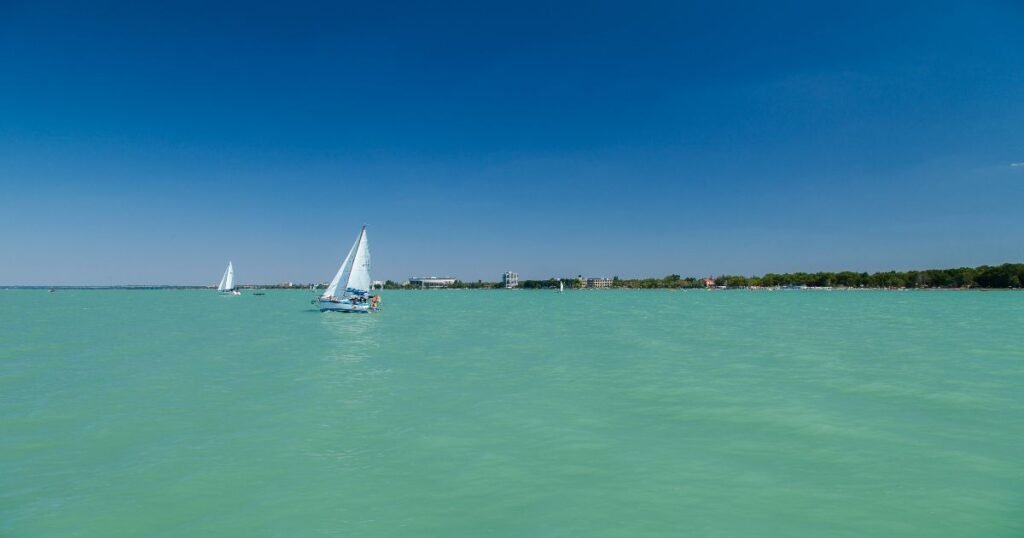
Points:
[(561, 286), (227, 282), (349, 291)]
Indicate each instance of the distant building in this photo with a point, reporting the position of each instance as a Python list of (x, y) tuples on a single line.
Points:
[(428, 282), (709, 282), (510, 279), (594, 282), (377, 285)]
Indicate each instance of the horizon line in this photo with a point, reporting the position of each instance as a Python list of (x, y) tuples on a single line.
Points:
[(307, 284)]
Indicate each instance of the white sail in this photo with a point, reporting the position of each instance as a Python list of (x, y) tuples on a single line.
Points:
[(231, 277), (359, 274), (354, 273), (227, 282), (332, 288)]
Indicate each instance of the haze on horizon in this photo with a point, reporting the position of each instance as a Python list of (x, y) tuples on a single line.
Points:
[(145, 143)]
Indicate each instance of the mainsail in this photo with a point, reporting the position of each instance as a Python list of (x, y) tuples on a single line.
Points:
[(333, 286), (354, 274), (227, 282)]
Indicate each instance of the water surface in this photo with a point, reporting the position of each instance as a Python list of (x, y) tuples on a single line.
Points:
[(512, 413)]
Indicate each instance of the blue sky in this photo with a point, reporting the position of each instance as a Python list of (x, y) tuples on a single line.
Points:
[(150, 143)]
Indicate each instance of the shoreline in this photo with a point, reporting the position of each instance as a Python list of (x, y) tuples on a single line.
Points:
[(618, 288)]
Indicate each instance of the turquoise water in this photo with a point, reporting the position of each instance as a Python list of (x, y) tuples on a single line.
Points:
[(494, 413)]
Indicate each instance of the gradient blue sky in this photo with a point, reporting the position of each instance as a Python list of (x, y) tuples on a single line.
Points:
[(150, 143)]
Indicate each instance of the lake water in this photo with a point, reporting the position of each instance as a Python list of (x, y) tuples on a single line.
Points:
[(512, 413)]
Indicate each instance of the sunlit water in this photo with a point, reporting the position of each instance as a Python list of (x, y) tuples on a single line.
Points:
[(512, 413)]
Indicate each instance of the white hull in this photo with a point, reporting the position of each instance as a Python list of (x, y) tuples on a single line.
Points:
[(232, 292), (342, 306)]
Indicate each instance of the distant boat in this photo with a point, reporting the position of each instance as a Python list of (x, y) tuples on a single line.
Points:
[(353, 279), (561, 286), (227, 282)]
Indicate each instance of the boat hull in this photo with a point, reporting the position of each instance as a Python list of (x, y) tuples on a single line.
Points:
[(343, 306)]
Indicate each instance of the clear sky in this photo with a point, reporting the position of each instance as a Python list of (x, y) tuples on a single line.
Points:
[(151, 143)]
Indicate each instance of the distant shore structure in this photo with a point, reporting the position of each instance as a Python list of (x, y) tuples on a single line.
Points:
[(432, 282), (510, 279), (594, 282), (377, 285)]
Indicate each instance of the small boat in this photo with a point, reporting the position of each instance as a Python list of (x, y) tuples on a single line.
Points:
[(561, 286), (259, 293), (227, 282), (353, 279)]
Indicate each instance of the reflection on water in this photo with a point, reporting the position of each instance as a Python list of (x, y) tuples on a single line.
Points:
[(344, 367), (342, 381), (349, 337)]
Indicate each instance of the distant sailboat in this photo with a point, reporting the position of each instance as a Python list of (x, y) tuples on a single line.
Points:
[(561, 286), (353, 279), (227, 282)]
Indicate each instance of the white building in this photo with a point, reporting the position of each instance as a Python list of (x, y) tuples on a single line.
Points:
[(431, 281), (594, 282), (510, 279)]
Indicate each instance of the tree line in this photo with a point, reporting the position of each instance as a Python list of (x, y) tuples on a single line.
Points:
[(1007, 275)]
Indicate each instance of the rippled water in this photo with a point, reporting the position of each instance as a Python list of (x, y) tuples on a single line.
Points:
[(512, 413)]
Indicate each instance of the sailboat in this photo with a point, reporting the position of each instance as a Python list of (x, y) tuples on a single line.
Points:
[(349, 291), (227, 282), (561, 286)]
